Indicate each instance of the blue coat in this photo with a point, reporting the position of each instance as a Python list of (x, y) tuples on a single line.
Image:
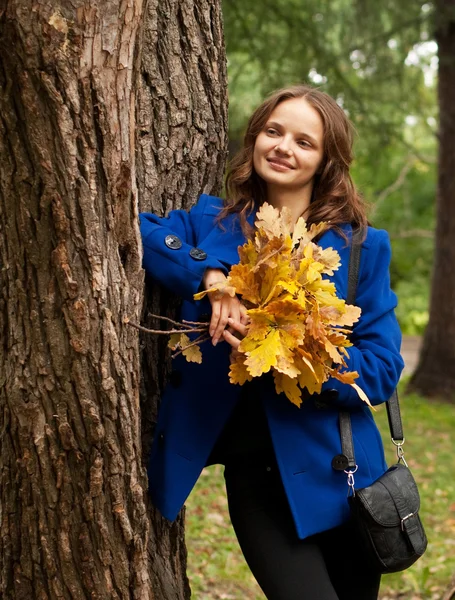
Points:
[(198, 401)]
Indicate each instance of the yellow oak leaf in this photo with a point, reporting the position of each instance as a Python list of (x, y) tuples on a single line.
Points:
[(286, 365), (305, 235), (293, 287), (248, 254), (308, 379), (268, 221), (270, 284), (348, 377), (349, 316), (316, 229), (309, 271), (312, 373), (176, 340), (329, 314), (244, 281), (326, 297), (285, 307), (180, 341), (313, 324), (329, 258), (300, 231), (338, 338), (288, 386), (238, 372), (222, 287), (260, 324), (262, 354), (345, 376), (333, 351), (362, 395), (272, 222), (193, 354)]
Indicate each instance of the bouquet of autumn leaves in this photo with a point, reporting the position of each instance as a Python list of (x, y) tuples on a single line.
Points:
[(298, 327)]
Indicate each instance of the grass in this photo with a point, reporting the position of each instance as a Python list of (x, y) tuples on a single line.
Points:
[(216, 567)]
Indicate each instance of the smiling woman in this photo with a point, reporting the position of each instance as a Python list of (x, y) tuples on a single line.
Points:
[(287, 503), (324, 132), (288, 153)]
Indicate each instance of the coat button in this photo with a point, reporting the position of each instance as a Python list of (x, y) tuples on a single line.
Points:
[(173, 242), (340, 462), (331, 396), (198, 254)]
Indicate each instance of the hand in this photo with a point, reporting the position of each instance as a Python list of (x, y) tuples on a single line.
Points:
[(234, 334), (223, 305)]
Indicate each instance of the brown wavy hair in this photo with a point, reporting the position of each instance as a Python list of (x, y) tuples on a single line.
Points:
[(334, 198)]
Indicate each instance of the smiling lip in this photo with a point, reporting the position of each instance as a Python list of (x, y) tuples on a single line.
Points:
[(281, 164)]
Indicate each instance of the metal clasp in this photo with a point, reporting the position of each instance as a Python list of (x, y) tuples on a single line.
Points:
[(400, 451), (351, 481), (405, 519)]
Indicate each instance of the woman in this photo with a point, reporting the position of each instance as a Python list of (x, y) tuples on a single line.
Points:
[(287, 504)]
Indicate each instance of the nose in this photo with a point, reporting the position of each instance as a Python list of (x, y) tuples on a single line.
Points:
[(284, 146)]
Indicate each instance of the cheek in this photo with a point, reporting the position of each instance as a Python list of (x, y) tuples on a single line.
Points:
[(256, 157)]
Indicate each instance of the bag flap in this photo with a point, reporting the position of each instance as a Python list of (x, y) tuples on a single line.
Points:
[(378, 498)]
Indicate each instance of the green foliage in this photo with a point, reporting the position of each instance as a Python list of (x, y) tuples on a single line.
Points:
[(412, 309)]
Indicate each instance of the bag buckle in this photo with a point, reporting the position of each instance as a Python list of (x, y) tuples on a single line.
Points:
[(405, 519), (400, 451), (351, 481)]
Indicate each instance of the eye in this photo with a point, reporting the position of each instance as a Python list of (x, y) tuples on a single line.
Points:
[(304, 144), (271, 131)]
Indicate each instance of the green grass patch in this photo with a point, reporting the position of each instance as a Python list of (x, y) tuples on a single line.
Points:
[(217, 569)]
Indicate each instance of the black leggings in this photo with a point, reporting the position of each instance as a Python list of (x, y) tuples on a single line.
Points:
[(325, 566)]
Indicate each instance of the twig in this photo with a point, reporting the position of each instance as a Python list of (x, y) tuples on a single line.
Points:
[(202, 338), (394, 186), (165, 319), (168, 331), (195, 322)]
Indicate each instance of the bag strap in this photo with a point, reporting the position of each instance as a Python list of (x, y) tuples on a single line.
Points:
[(393, 407)]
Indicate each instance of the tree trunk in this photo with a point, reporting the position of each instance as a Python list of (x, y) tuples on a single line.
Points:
[(84, 125), (435, 374), (181, 151)]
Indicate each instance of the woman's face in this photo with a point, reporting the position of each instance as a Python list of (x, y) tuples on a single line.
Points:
[(289, 150)]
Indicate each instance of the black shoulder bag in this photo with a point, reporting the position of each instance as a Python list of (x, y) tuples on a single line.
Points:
[(386, 513)]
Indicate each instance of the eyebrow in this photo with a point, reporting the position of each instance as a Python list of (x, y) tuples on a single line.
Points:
[(305, 135)]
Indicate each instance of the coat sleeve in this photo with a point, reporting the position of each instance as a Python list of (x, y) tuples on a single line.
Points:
[(169, 248), (376, 337)]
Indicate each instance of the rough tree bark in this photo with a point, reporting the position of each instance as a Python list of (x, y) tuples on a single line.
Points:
[(181, 151), (84, 126), (435, 373)]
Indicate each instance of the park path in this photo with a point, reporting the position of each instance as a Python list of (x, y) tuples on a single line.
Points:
[(410, 348)]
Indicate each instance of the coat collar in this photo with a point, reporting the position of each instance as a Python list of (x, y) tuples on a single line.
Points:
[(223, 242)]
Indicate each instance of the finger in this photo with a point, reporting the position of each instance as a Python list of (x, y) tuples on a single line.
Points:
[(222, 322), (214, 319), (242, 329), (235, 312), (231, 339), (234, 355), (244, 318)]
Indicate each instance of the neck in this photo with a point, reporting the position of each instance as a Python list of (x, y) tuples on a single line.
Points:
[(297, 202)]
